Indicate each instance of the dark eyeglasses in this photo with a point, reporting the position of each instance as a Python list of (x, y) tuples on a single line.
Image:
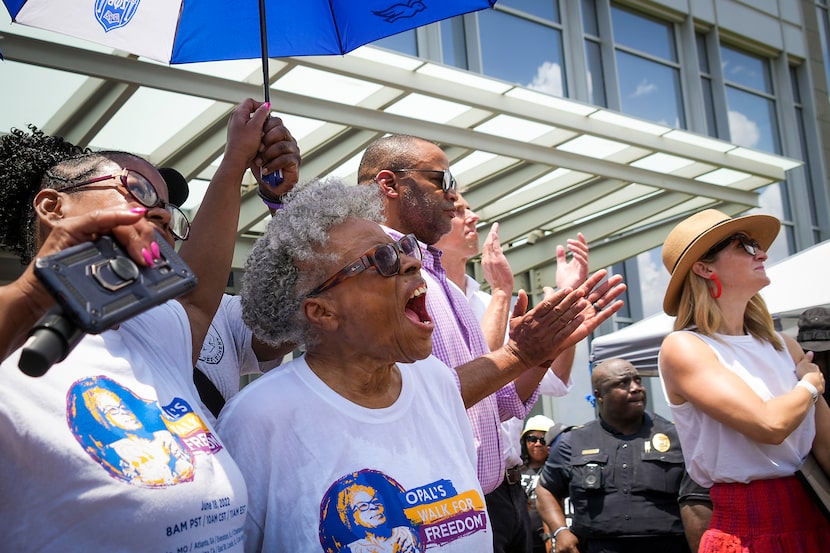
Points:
[(386, 258), (447, 180), (140, 188), (749, 245), (535, 439)]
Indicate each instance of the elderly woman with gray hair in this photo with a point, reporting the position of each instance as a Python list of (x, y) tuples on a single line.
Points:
[(366, 403)]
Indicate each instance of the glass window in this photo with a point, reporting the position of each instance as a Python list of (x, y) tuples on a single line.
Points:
[(625, 311), (405, 43), (454, 42), (752, 120), (709, 106), (753, 123), (650, 90), (589, 18), (596, 77), (532, 57), (643, 34), (706, 85), (546, 9), (647, 68), (746, 70), (749, 101), (702, 53), (805, 154), (654, 279), (824, 36)]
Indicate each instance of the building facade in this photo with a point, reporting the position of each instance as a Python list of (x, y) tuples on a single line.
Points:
[(754, 73)]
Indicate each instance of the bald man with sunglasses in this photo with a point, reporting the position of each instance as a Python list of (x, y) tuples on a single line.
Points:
[(419, 195)]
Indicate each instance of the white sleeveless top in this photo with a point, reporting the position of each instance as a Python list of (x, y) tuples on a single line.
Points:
[(716, 453)]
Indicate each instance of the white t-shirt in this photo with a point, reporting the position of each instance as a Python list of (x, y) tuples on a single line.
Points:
[(109, 451), (716, 453), (226, 352), (323, 472)]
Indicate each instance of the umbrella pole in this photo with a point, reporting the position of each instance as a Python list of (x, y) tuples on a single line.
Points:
[(274, 178), (263, 38)]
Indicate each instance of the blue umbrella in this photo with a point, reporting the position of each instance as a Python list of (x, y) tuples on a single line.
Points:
[(189, 31)]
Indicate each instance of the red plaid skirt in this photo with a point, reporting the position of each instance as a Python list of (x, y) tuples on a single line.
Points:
[(765, 516)]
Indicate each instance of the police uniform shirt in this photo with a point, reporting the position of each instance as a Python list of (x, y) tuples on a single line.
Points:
[(619, 485)]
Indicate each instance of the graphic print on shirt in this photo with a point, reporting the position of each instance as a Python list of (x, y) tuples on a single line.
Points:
[(213, 348), (137, 440), (369, 512)]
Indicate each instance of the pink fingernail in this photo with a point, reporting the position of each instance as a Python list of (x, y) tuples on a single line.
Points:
[(147, 257), (139, 209), (154, 247), (267, 105)]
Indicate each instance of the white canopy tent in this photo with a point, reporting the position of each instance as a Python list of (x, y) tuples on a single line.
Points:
[(798, 283)]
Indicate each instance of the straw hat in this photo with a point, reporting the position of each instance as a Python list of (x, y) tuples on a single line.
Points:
[(695, 235)]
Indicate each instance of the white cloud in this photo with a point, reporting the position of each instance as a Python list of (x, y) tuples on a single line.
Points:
[(644, 89), (548, 79), (743, 130)]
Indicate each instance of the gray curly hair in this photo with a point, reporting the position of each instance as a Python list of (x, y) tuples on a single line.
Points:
[(273, 288)]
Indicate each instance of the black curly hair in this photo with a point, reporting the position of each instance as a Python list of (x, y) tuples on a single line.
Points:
[(30, 162)]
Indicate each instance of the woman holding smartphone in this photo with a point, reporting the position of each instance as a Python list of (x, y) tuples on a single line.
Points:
[(110, 450)]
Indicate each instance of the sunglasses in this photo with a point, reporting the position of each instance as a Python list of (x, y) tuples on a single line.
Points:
[(535, 439), (386, 258), (139, 187), (749, 245), (447, 180)]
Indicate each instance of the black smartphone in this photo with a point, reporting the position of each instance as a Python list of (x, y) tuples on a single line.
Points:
[(99, 286)]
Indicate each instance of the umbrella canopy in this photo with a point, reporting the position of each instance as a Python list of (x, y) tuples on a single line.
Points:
[(187, 31)]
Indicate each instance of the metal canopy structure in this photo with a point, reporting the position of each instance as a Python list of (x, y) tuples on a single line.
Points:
[(541, 166)]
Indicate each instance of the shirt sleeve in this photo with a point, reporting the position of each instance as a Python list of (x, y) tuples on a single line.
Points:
[(551, 385), (511, 405), (556, 474)]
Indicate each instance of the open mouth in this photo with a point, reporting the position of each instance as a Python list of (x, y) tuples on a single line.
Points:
[(416, 306)]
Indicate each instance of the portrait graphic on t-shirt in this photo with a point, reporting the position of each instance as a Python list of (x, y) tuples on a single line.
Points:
[(369, 512), (136, 440)]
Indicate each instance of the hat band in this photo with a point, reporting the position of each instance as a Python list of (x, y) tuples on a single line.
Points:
[(689, 245), (813, 335)]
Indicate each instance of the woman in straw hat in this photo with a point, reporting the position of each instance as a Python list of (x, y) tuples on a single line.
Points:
[(746, 399)]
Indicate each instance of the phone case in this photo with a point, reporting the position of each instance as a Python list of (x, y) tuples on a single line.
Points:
[(99, 286)]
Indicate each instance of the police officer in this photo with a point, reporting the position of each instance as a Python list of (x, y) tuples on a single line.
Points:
[(622, 473)]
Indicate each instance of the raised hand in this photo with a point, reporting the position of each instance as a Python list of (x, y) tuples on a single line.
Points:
[(570, 274), (494, 265), (278, 151)]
